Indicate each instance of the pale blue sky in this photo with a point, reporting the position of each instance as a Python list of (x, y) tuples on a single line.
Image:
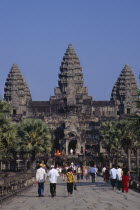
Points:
[(35, 34)]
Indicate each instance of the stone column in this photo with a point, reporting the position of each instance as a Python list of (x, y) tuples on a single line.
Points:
[(84, 147), (102, 150), (1, 165), (67, 144), (78, 147)]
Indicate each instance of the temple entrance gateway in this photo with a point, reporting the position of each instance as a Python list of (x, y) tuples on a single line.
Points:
[(72, 145)]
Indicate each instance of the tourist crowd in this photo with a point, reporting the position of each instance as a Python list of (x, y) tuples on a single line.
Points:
[(118, 177), (67, 173)]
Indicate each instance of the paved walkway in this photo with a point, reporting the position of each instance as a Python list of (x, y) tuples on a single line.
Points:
[(88, 196)]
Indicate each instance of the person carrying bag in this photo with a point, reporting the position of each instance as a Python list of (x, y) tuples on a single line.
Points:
[(70, 181)]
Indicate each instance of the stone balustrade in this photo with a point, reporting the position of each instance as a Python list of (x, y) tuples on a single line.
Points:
[(14, 183)]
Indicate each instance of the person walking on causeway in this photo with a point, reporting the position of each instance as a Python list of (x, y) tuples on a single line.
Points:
[(119, 177), (53, 175), (70, 181), (92, 173), (125, 179), (113, 176), (40, 180)]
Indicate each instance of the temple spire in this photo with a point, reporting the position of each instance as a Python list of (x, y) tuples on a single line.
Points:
[(70, 77), (124, 92), (16, 90), (70, 71)]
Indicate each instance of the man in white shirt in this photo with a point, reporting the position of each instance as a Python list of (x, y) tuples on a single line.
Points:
[(53, 175), (113, 176), (40, 179)]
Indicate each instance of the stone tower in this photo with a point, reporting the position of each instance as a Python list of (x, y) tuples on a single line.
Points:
[(71, 89), (124, 92), (16, 92)]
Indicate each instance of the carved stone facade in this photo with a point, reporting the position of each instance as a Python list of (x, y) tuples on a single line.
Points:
[(72, 116), (17, 92), (125, 91)]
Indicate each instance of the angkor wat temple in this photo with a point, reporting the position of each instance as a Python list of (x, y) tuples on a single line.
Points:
[(71, 114)]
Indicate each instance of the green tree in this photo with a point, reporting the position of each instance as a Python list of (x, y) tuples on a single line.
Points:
[(116, 138), (4, 110), (135, 127), (34, 139), (110, 141), (8, 141), (7, 131), (127, 139), (8, 134), (137, 149)]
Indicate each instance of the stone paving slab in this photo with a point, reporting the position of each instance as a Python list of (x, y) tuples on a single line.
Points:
[(88, 196)]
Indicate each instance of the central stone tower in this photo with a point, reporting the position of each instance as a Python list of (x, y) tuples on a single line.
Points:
[(71, 90), (73, 102)]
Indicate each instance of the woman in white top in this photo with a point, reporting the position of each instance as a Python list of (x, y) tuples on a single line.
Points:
[(119, 177), (79, 171), (85, 172)]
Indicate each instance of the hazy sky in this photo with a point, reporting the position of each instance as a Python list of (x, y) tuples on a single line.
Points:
[(34, 34)]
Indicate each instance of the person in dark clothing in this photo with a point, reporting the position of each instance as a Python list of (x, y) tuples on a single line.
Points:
[(107, 174), (93, 171)]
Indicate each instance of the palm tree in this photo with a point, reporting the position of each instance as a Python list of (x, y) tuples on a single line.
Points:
[(108, 132), (4, 109), (116, 138), (127, 139), (34, 139), (7, 133), (137, 149), (135, 127), (8, 140)]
